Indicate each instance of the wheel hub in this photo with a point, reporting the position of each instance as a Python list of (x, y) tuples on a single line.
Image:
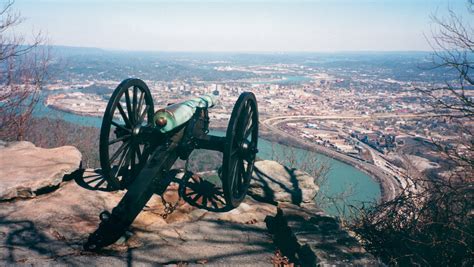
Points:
[(136, 131), (245, 148)]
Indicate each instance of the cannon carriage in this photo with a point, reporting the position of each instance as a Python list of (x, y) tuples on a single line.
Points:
[(139, 146)]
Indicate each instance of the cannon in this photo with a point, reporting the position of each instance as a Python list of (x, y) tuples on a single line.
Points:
[(139, 146)]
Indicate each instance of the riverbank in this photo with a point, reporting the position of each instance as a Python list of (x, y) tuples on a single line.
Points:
[(342, 177), (73, 111), (389, 186)]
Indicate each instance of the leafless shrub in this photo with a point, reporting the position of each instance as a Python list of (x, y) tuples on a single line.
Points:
[(304, 161), (433, 225), (49, 133), (429, 227), (23, 69)]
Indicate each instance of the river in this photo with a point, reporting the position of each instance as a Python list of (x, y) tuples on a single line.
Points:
[(359, 187)]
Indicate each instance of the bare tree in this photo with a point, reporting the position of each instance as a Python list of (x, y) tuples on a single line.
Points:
[(434, 224), (452, 42), (23, 69)]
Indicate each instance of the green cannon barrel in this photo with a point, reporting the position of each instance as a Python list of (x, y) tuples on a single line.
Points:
[(178, 114)]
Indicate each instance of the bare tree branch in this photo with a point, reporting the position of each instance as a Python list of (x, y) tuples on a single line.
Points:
[(433, 225), (23, 70)]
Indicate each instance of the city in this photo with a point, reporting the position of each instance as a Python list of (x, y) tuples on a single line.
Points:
[(237, 132), (376, 124)]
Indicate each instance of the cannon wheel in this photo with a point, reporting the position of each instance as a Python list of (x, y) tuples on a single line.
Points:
[(122, 151), (240, 149)]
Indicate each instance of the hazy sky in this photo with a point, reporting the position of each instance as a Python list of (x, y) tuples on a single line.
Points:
[(291, 25)]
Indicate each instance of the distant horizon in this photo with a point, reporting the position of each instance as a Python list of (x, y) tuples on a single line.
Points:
[(314, 26), (241, 51)]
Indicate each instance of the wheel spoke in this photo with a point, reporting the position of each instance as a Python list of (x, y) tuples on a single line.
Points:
[(218, 199), (244, 120), (117, 153), (213, 203), (249, 157), (190, 193), (231, 175), (134, 104), (123, 159), (248, 129), (204, 201), (125, 137), (139, 154), (120, 126), (97, 178), (124, 116), (235, 175), (142, 116), (247, 134), (129, 106), (241, 174), (248, 173), (140, 102), (194, 186), (99, 184), (250, 120), (196, 197), (249, 117)]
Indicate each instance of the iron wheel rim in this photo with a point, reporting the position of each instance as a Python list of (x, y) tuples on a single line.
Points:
[(240, 149), (122, 151)]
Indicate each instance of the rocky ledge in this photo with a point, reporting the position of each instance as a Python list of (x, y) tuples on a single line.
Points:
[(49, 227), (27, 170)]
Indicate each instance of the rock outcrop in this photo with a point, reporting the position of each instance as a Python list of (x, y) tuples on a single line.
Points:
[(311, 238), (27, 170), (274, 183), (50, 228)]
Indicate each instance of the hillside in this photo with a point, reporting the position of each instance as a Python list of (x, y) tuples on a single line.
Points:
[(46, 216)]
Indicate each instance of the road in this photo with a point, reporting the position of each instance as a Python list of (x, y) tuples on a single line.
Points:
[(281, 119), (389, 185), (392, 178)]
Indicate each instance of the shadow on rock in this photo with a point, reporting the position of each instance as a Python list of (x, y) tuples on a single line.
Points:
[(24, 242), (271, 190)]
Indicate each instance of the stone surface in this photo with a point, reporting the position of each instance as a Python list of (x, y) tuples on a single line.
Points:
[(311, 238), (51, 228), (26, 170), (273, 183)]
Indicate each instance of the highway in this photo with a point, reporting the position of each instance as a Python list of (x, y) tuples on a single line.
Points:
[(391, 178), (389, 185), (281, 119)]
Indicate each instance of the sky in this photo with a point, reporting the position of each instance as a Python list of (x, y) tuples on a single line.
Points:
[(232, 25)]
